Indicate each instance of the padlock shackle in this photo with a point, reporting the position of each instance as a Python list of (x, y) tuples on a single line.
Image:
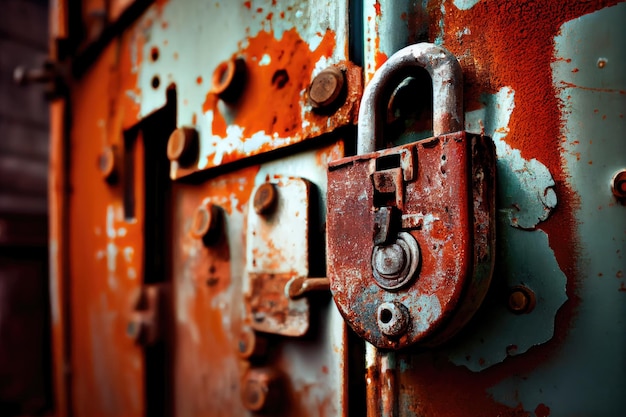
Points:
[(447, 79)]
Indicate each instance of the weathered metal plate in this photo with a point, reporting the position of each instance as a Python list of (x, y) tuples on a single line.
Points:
[(277, 253)]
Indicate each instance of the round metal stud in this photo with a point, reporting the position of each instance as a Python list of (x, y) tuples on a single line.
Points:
[(395, 265), (265, 199), (260, 389), (229, 79), (183, 146), (618, 184), (205, 223), (107, 163), (326, 88), (521, 300)]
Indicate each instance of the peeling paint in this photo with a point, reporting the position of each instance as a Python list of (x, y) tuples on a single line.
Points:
[(526, 196), (465, 4)]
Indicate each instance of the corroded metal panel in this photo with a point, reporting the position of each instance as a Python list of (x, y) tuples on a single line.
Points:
[(542, 79), (538, 80)]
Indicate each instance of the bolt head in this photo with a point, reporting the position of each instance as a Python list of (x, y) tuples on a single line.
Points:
[(229, 79), (390, 260), (260, 389), (618, 185), (265, 199), (183, 146), (250, 344), (205, 223), (521, 300), (326, 88), (107, 164)]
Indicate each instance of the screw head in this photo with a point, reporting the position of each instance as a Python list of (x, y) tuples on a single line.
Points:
[(229, 79), (521, 300), (265, 199), (618, 184), (259, 390), (183, 146), (395, 265), (205, 223), (250, 344), (326, 88), (393, 318), (107, 164)]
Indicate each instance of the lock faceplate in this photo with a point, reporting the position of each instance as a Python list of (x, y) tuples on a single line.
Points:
[(443, 197)]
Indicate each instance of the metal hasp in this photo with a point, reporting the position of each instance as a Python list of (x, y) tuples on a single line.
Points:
[(278, 256), (411, 229)]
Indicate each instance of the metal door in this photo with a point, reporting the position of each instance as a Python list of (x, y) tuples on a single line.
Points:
[(188, 196)]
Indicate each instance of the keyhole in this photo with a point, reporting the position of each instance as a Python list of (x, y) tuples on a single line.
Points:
[(385, 316)]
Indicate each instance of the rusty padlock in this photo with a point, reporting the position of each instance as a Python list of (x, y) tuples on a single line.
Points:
[(410, 229)]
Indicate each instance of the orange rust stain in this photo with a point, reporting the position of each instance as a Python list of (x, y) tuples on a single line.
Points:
[(283, 80), (102, 354), (259, 10), (160, 5), (199, 80), (377, 8), (379, 58), (248, 4), (269, 16), (542, 410), (501, 62)]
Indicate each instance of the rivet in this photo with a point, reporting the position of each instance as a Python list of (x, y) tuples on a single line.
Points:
[(229, 79), (107, 165), (618, 184), (326, 88), (265, 199), (183, 146), (260, 391), (521, 300), (250, 344), (205, 223)]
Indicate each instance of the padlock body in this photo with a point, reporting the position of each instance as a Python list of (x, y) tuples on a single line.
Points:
[(442, 191)]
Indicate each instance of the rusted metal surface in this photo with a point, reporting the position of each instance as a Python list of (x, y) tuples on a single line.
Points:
[(147, 319), (553, 184), (277, 254), (284, 46), (214, 332), (525, 360)]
